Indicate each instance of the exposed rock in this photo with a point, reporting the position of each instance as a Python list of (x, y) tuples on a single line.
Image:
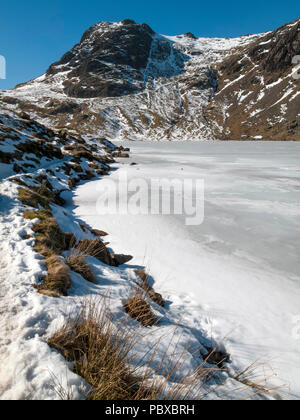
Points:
[(24, 116), (121, 258), (190, 35), (104, 51), (98, 232), (257, 91), (217, 357), (120, 155)]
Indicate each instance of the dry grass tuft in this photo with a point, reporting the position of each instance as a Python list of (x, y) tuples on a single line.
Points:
[(140, 310), (99, 355), (70, 240), (49, 239), (41, 214), (156, 297), (252, 378), (30, 215), (40, 196), (32, 198), (142, 275), (98, 232), (95, 248), (77, 263), (102, 350), (58, 281)]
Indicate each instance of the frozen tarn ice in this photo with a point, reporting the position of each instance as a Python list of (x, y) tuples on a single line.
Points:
[(241, 267)]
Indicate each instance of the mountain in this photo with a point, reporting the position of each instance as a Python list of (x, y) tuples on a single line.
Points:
[(125, 81)]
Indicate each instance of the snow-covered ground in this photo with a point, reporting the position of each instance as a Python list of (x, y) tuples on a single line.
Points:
[(31, 370), (237, 274)]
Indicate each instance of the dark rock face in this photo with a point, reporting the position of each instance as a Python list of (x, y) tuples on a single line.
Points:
[(65, 108), (280, 47), (217, 357), (111, 60), (264, 69), (121, 259), (108, 60), (190, 35)]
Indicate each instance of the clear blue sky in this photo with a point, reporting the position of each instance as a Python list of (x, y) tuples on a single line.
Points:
[(36, 33)]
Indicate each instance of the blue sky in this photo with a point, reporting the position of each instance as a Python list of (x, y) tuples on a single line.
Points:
[(36, 33)]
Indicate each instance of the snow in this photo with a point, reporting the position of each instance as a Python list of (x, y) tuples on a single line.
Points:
[(27, 365), (29, 368), (285, 95), (293, 24), (265, 42), (257, 111), (236, 275), (294, 96), (214, 47), (232, 281)]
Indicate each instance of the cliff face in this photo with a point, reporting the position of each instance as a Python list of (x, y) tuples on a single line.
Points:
[(257, 93), (125, 81), (108, 62)]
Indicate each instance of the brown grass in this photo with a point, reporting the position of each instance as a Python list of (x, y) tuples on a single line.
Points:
[(50, 238), (58, 281), (77, 263), (251, 378), (30, 215), (95, 248), (32, 199), (156, 297), (102, 352), (98, 232), (140, 310), (100, 356)]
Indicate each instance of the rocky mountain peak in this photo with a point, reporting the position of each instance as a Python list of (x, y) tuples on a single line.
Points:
[(123, 80), (190, 35), (107, 61)]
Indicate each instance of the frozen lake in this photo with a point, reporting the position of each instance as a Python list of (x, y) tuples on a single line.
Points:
[(240, 268)]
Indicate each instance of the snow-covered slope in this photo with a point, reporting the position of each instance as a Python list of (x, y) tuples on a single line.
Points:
[(125, 81), (30, 154), (31, 311)]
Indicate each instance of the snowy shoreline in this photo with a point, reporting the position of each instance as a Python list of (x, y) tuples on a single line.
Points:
[(28, 366), (259, 328)]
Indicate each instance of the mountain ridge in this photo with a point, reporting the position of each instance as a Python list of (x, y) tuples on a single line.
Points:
[(124, 81)]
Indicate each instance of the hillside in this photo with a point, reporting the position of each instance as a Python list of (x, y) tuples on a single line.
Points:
[(124, 81)]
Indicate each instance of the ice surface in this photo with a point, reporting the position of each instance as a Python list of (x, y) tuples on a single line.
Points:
[(241, 267)]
